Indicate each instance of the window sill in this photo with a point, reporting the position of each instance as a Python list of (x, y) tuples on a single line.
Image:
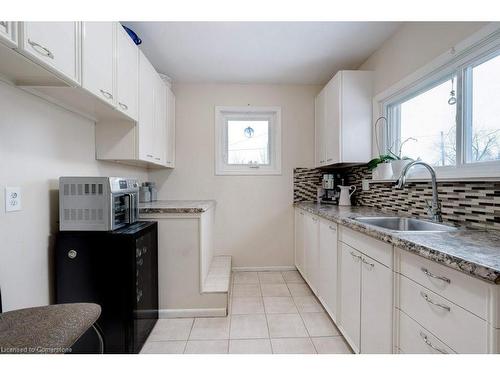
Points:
[(249, 172)]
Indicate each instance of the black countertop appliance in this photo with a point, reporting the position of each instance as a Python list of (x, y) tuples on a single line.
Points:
[(117, 270)]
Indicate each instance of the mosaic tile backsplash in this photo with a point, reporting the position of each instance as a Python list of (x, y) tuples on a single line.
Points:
[(469, 204)]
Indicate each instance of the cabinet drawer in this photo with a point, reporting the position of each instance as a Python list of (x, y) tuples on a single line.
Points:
[(464, 290), (378, 250), (455, 326), (415, 339)]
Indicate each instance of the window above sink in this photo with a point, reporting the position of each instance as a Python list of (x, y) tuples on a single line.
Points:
[(447, 111)]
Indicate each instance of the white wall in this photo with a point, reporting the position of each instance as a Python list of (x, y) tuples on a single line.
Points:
[(38, 143), (412, 46), (254, 214)]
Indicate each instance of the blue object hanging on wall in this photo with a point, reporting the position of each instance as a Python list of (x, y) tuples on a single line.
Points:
[(133, 35)]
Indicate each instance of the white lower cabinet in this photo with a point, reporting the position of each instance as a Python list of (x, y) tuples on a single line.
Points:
[(311, 251), (350, 295), (299, 240), (376, 307), (413, 338), (328, 266), (435, 309), (366, 291)]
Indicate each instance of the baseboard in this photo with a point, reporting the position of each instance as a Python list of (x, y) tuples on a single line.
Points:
[(265, 268), (191, 313)]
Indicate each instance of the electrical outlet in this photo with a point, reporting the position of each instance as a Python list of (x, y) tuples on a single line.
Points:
[(12, 199), (365, 184)]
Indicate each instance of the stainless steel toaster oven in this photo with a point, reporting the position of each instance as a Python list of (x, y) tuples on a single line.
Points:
[(97, 203)]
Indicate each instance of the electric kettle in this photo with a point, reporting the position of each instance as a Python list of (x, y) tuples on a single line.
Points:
[(345, 195)]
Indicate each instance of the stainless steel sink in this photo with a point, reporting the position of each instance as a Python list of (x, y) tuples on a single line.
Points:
[(404, 224)]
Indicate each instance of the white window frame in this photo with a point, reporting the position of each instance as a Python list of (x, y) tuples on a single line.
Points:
[(225, 113), (476, 49)]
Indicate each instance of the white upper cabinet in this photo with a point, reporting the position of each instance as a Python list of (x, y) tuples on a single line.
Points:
[(8, 33), (98, 61), (343, 117), (170, 155), (127, 73), (145, 126), (160, 121), (319, 128), (54, 45)]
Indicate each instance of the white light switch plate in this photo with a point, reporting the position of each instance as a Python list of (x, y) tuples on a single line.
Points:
[(12, 199)]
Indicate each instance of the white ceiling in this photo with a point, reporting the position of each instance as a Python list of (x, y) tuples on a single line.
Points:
[(259, 52)]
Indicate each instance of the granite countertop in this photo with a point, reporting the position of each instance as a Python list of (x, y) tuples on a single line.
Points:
[(176, 207), (474, 252)]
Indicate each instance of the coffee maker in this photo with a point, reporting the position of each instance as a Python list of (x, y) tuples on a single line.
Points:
[(329, 184)]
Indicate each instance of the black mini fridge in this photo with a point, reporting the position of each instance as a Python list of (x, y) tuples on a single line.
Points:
[(117, 270)]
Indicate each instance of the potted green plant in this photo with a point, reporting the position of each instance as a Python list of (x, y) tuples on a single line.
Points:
[(398, 161), (381, 167)]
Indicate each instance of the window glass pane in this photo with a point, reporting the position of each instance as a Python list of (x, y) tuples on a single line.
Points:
[(248, 141), (485, 137), (428, 122)]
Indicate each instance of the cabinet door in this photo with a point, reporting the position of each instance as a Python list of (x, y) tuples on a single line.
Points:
[(332, 120), (328, 263), (170, 161), (127, 73), (376, 307), (53, 44), (145, 125), (160, 121), (311, 251), (350, 295), (299, 240), (319, 129), (98, 59), (8, 33)]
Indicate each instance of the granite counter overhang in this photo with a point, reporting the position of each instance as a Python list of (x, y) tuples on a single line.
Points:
[(474, 252), (176, 207)]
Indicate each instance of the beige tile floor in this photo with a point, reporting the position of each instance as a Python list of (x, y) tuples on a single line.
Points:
[(269, 313)]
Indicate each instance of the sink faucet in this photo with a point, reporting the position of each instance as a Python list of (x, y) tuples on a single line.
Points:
[(434, 207)]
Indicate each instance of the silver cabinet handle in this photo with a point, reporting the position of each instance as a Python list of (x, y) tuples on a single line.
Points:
[(124, 106), (301, 213), (314, 219), (106, 94), (426, 271), (367, 263), (332, 228), (149, 156), (428, 343), (329, 159), (429, 300), (41, 49), (157, 158), (356, 256)]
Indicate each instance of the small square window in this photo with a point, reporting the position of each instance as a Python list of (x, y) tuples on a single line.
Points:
[(248, 140)]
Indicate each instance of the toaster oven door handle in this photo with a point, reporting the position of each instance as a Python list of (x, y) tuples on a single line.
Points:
[(132, 209)]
